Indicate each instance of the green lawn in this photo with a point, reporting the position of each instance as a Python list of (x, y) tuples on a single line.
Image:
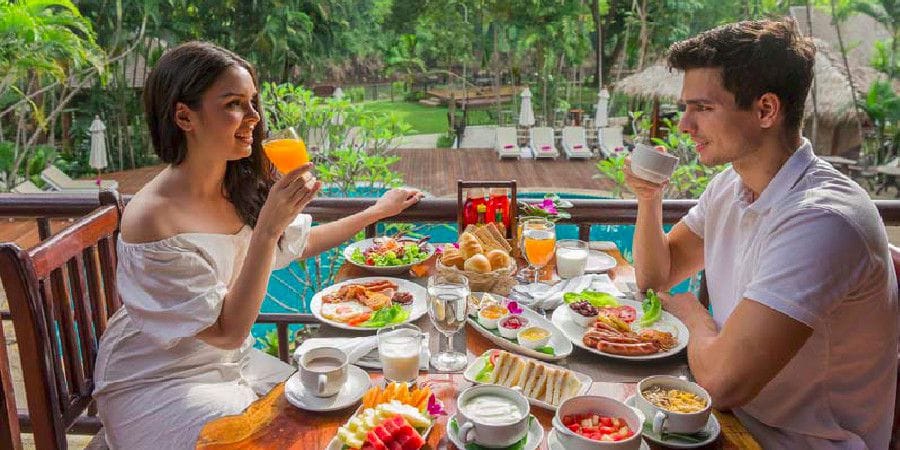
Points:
[(423, 119)]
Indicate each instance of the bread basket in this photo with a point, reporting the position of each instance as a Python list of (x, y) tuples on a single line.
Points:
[(498, 282)]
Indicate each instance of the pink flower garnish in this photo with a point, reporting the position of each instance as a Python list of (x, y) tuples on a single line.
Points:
[(439, 250), (513, 307), (456, 245), (435, 407)]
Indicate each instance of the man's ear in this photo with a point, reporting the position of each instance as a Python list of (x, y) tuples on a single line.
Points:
[(769, 109), (183, 117)]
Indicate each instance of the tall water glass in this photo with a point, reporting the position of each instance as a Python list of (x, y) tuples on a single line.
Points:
[(399, 348), (447, 300)]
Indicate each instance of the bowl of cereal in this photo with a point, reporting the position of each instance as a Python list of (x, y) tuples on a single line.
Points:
[(673, 405)]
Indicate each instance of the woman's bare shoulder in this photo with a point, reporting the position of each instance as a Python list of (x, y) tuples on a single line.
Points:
[(147, 218)]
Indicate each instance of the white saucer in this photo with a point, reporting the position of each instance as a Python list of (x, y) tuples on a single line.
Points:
[(532, 442), (554, 444), (712, 428), (357, 384), (599, 261)]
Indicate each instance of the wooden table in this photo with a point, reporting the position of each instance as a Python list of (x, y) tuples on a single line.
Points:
[(272, 423)]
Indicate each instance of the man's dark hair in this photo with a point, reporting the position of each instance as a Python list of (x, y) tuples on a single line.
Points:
[(756, 57)]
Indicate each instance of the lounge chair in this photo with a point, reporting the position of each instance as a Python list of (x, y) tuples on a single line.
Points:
[(574, 143), (506, 143), (611, 142), (542, 143), (61, 182), (27, 187)]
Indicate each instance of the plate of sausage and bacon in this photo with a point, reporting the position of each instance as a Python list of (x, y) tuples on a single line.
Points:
[(610, 333)]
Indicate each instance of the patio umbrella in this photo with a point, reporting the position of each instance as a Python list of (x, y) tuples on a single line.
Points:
[(526, 114), (601, 117), (338, 118), (98, 158)]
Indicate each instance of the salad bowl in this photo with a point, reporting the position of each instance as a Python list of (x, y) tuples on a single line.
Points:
[(388, 256)]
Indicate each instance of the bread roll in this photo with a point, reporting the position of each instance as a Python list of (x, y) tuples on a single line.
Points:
[(478, 263), (469, 245), (499, 259), (452, 257)]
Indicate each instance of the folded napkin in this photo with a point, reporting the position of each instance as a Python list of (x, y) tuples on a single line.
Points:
[(360, 350), (545, 297)]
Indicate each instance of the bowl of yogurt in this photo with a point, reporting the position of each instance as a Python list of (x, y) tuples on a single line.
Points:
[(492, 416)]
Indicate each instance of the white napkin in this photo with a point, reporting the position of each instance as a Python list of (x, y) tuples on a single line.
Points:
[(357, 349), (549, 297)]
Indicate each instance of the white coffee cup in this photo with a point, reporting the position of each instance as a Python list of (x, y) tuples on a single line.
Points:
[(323, 371), (669, 421), (488, 433), (651, 164)]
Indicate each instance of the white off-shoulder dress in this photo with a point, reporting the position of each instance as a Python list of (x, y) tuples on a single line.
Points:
[(156, 382)]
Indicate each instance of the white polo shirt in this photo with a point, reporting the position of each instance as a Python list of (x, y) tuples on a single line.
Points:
[(813, 247)]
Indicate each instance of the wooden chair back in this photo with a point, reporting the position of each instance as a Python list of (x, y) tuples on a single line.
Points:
[(61, 293)]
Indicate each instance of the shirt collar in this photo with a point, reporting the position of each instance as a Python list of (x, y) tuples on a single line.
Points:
[(781, 184)]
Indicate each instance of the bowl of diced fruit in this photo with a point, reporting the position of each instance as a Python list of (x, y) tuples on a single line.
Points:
[(597, 423), (388, 255)]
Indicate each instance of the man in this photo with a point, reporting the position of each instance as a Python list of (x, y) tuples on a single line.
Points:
[(802, 340)]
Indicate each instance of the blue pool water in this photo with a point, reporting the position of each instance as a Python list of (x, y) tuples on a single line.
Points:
[(290, 289)]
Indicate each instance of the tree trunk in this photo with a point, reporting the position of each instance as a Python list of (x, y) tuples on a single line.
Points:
[(496, 64), (645, 34), (815, 117), (598, 23), (849, 76)]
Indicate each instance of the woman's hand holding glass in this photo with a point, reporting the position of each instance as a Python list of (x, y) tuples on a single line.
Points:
[(287, 197)]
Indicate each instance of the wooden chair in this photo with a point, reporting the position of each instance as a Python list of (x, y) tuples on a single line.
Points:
[(895, 434), (61, 293)]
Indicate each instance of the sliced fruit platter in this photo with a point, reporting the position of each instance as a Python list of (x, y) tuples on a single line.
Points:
[(513, 327), (545, 385), (621, 329), (369, 303), (394, 417)]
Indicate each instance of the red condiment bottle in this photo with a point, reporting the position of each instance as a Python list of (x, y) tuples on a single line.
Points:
[(499, 201), (474, 197)]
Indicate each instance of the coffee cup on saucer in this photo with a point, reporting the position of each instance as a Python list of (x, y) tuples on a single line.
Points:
[(323, 371), (651, 164), (492, 416)]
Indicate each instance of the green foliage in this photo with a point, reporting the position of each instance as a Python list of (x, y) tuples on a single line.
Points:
[(613, 169), (882, 105), (445, 141), (882, 59), (269, 343)]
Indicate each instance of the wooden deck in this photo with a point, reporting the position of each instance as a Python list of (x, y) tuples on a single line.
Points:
[(432, 170)]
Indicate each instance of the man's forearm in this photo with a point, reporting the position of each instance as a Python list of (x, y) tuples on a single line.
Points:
[(651, 248), (329, 235)]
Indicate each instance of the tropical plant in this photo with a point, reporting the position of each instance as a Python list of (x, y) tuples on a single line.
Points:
[(882, 105), (613, 169)]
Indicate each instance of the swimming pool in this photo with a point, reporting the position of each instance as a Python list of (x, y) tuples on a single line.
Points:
[(290, 289)]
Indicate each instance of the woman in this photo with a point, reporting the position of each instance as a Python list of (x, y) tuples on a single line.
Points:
[(180, 352)]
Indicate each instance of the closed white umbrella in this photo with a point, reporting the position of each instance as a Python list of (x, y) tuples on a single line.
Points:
[(601, 117), (98, 159), (338, 94), (338, 118), (526, 114)]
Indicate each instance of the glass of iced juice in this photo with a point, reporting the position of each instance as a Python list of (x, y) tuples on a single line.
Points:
[(286, 150), (539, 242)]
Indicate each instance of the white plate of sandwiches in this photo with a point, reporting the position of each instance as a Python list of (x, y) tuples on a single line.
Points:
[(545, 385)]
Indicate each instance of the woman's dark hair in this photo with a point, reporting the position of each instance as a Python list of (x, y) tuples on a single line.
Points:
[(183, 74), (756, 57)]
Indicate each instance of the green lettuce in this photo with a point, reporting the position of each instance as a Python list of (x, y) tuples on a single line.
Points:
[(597, 299), (652, 308), (387, 316), (411, 254)]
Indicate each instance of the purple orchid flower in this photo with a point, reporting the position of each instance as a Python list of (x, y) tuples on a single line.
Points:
[(456, 245), (435, 407)]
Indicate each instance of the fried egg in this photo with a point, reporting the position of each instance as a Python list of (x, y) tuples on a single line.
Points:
[(344, 311)]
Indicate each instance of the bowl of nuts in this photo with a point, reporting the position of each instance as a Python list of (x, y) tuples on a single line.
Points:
[(584, 313)]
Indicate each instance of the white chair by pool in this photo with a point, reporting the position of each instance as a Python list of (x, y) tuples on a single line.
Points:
[(542, 143), (61, 182), (27, 187), (611, 142), (506, 143), (574, 143)]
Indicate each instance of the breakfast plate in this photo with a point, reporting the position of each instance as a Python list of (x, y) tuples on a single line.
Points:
[(564, 319), (558, 346), (540, 378), (329, 312)]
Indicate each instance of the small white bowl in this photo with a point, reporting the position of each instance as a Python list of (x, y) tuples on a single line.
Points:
[(651, 164), (511, 333), (597, 405), (488, 322), (582, 321), (532, 343)]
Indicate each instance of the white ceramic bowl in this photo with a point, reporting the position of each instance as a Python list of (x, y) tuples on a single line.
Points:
[(381, 270), (511, 333), (491, 323), (673, 422), (597, 405), (532, 343), (582, 321), (651, 164)]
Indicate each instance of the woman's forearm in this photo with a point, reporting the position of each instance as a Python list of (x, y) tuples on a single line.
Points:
[(651, 249), (330, 235), (240, 306)]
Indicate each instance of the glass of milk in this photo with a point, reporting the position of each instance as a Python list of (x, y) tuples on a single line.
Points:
[(398, 348), (571, 257)]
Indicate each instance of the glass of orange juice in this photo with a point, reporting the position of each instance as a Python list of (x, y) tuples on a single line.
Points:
[(286, 150), (539, 241)]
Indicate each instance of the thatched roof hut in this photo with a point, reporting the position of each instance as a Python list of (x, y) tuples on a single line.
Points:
[(833, 96)]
